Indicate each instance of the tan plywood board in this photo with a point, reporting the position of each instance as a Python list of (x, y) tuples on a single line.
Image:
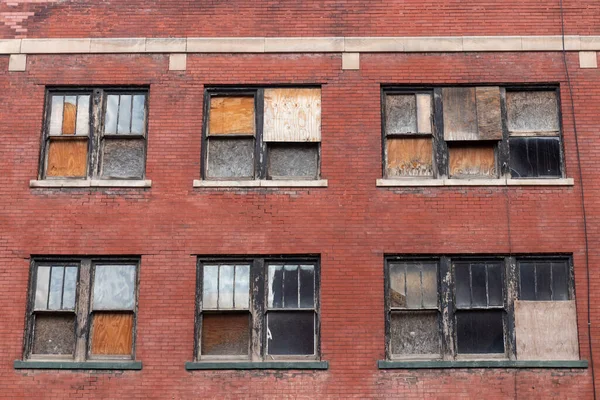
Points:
[(292, 115)]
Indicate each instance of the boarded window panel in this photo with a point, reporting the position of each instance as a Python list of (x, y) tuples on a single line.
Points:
[(124, 123), (415, 333), (527, 281), (472, 162), (546, 330), (489, 118), (534, 157), (56, 115), (210, 287), (290, 286), (463, 285), (532, 111), (112, 113), (138, 117), (560, 288), (397, 285), (230, 158), (225, 334), (401, 114), (112, 333), (460, 114), (479, 332), (543, 281), (83, 115), (291, 333), (226, 286), (123, 158), (275, 286), (69, 115), (41, 290), (54, 334), (292, 115), (114, 287), (307, 286), (67, 158), (424, 113), (409, 157), (242, 286), (232, 116), (56, 288), (413, 286), (294, 160)]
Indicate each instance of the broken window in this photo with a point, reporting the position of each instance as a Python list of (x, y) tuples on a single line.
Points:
[(258, 309), (95, 134), (272, 133), (82, 309)]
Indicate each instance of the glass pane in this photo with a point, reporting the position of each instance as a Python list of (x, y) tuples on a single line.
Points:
[(83, 115), (54, 334), (230, 158), (112, 110), (242, 286), (291, 333), (70, 288), (480, 332), (397, 285), (463, 288), (543, 281), (56, 115), (123, 158), (401, 114), (560, 288), (114, 287), (210, 285), (56, 288), (290, 286), (478, 282), (430, 286), (413, 286), (124, 115), (307, 286), (41, 289), (139, 114), (275, 286), (527, 281), (225, 334), (495, 284), (532, 111), (69, 115), (226, 286), (67, 158), (293, 160), (112, 333), (415, 333), (534, 157)]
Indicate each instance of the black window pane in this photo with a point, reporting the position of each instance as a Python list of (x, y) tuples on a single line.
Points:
[(534, 157), (54, 334), (291, 333), (230, 158), (307, 286), (415, 333), (480, 332), (478, 277), (290, 286), (275, 286), (463, 288), (543, 281), (495, 284), (527, 281), (560, 290)]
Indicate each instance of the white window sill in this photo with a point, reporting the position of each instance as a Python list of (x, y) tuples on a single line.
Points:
[(408, 182), (89, 183), (261, 183)]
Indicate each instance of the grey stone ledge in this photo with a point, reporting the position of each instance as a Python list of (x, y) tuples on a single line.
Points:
[(304, 45), (118, 45), (166, 45), (245, 365), (226, 45), (90, 183), (198, 183), (415, 182), (85, 365), (10, 46), (55, 46), (439, 364)]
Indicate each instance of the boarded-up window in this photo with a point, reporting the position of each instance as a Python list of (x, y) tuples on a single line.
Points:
[(292, 115), (472, 113), (293, 160), (472, 161)]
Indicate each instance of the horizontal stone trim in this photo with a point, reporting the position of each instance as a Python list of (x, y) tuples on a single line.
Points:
[(439, 364), (298, 44), (415, 182), (90, 183), (86, 365), (261, 183), (237, 365)]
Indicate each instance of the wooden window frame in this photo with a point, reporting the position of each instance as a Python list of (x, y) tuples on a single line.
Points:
[(96, 136), (440, 147), (447, 300), (260, 162), (83, 307), (258, 306)]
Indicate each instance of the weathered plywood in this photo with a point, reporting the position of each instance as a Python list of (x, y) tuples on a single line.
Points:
[(69, 118), (546, 330), (401, 114), (460, 114), (112, 333), (424, 113), (409, 157), (225, 334), (470, 161), (232, 115), (532, 111), (292, 115), (67, 158), (489, 117)]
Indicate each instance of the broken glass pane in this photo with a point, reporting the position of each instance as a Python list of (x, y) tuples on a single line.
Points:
[(463, 285), (495, 284), (54, 334), (114, 287), (290, 286), (297, 160), (56, 115), (291, 333), (307, 286), (543, 281), (210, 285), (70, 288), (226, 286), (41, 290), (124, 124), (397, 285), (275, 286), (230, 158), (480, 332), (415, 333), (534, 157), (527, 281), (112, 110), (123, 158), (139, 114), (560, 289), (56, 288), (225, 334), (242, 286), (478, 280)]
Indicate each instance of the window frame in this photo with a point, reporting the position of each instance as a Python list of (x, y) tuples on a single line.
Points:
[(83, 308), (96, 135), (258, 306)]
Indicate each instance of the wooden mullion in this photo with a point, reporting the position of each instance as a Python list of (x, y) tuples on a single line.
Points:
[(204, 142), (257, 309), (439, 144), (447, 287), (260, 154), (82, 307), (503, 147), (96, 131), (511, 274)]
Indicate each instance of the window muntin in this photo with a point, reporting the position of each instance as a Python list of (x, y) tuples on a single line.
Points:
[(543, 280)]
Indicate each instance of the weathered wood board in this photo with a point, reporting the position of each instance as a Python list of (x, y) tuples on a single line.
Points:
[(470, 161), (409, 157), (67, 158), (489, 116), (112, 333), (460, 113), (292, 115), (69, 119), (231, 115)]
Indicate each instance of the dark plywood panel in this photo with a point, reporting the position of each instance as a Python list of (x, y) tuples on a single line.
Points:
[(460, 113), (534, 157), (69, 118), (546, 330), (230, 158), (472, 161), (291, 333), (415, 333), (480, 332), (225, 334), (401, 114), (296, 160), (67, 158), (123, 158), (409, 157), (54, 334), (292, 115), (231, 115), (532, 111), (112, 333), (489, 117)]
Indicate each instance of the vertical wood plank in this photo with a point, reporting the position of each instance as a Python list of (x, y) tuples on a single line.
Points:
[(231, 115), (292, 115), (112, 333), (67, 158), (489, 119), (460, 114)]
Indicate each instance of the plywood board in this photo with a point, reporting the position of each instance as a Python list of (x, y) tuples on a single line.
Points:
[(546, 330), (231, 115), (472, 161), (409, 157), (460, 114), (424, 113), (67, 158), (112, 333), (69, 119), (292, 115), (489, 118)]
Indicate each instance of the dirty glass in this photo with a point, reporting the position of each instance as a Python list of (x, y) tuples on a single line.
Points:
[(275, 296), (210, 286), (560, 288), (533, 157), (415, 332), (230, 158), (291, 333), (138, 116), (114, 287), (290, 286), (112, 111), (56, 283), (124, 122), (41, 290), (83, 115), (307, 286), (226, 286), (70, 288), (296, 160), (123, 158), (242, 286), (54, 334), (225, 334), (480, 332), (413, 285), (527, 281), (401, 114), (479, 285), (543, 280)]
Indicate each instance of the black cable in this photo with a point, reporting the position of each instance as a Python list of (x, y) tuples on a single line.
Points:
[(583, 209)]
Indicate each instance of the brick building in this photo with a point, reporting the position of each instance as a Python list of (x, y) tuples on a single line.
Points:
[(316, 199)]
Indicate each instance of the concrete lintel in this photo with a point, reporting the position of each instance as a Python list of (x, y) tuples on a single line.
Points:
[(374, 44), (492, 43), (437, 44), (542, 43), (590, 43), (304, 45), (55, 46), (10, 46), (17, 63), (118, 45), (166, 45), (226, 45)]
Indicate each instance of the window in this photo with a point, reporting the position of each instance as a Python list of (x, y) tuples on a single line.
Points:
[(271, 133), (258, 309), (465, 133), (480, 308), (82, 309), (98, 134)]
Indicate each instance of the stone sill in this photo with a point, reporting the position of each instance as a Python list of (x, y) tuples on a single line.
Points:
[(261, 183), (85, 365), (245, 365), (409, 182), (89, 183), (439, 364)]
